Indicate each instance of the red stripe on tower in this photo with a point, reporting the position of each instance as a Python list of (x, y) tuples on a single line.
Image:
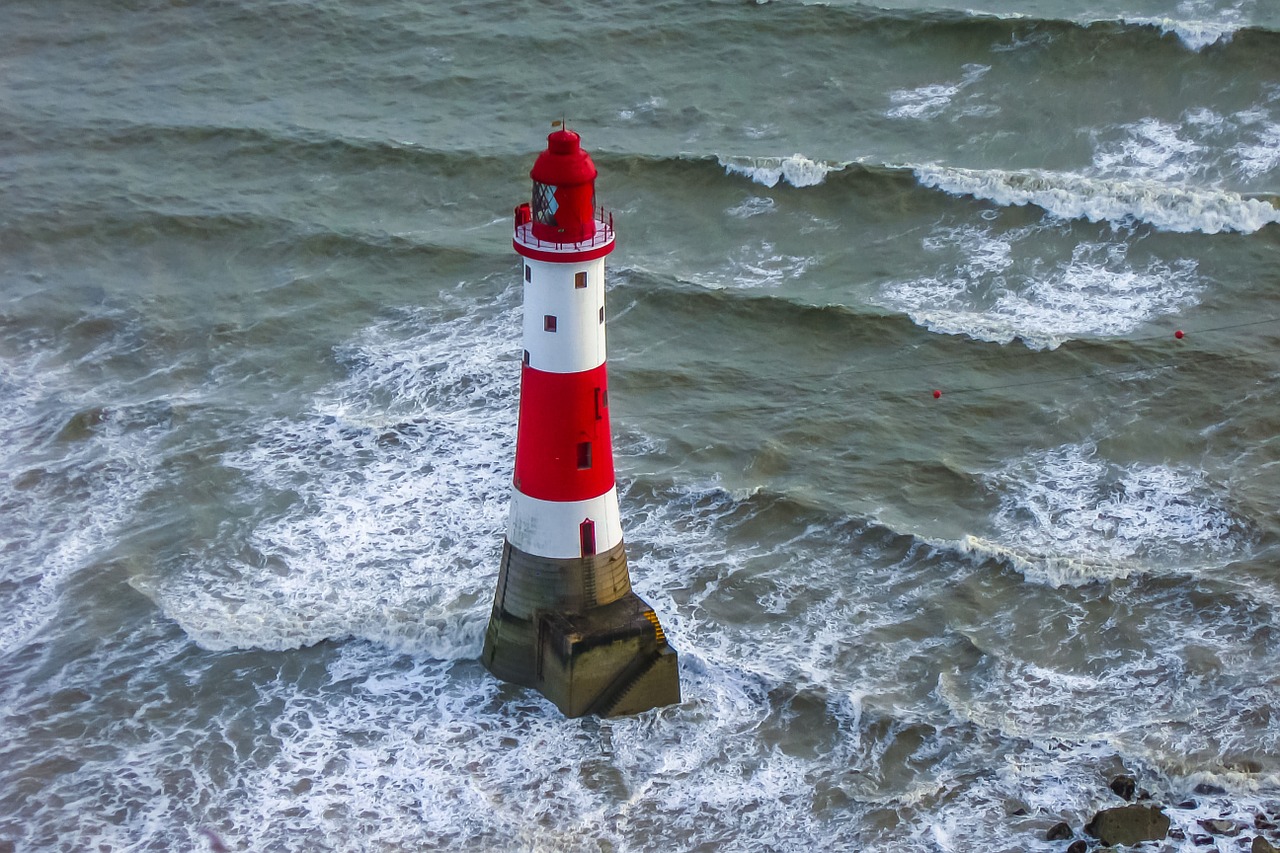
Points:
[(563, 450), (565, 620)]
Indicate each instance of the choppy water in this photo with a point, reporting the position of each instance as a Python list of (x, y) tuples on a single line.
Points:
[(258, 363)]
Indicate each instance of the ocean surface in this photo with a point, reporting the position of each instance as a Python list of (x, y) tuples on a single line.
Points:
[(259, 354)]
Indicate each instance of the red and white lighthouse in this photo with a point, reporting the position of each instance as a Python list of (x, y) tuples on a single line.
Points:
[(565, 620)]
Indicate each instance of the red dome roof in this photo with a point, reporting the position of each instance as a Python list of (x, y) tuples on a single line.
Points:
[(564, 163)]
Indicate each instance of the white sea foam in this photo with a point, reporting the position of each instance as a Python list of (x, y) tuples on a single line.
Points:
[(816, 723), (1202, 147), (931, 100), (381, 510), (797, 170), (62, 502), (1072, 196), (1069, 517), (752, 206), (390, 752), (1135, 706), (753, 266), (1155, 150), (645, 109), (1199, 23), (987, 289), (1259, 153), (1197, 35)]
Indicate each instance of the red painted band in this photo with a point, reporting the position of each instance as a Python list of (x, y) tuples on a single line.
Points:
[(564, 425), (564, 257)]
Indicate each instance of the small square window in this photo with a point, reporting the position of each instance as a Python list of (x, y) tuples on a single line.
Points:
[(528, 273), (584, 455), (549, 322), (580, 280)]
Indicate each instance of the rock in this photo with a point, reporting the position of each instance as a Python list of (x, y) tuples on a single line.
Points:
[(1207, 790), (1188, 804), (1261, 822), (82, 424), (1262, 845), (1129, 825), (1203, 841), (1077, 847), (1221, 826), (1059, 832), (1124, 786)]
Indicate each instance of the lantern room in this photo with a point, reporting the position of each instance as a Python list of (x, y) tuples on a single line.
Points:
[(564, 191)]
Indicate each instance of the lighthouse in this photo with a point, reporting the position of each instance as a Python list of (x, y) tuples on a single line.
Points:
[(565, 620)]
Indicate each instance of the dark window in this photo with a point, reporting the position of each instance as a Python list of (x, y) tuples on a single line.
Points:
[(580, 279), (584, 455), (601, 313), (587, 532), (526, 356), (549, 322), (604, 398), (528, 273), (599, 407)]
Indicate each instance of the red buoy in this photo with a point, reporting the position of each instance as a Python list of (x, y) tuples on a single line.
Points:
[(1178, 334), (936, 393)]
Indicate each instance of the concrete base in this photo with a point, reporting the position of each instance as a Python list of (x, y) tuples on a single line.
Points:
[(607, 659)]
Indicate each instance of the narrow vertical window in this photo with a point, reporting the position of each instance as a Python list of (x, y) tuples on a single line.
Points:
[(587, 533), (528, 273), (601, 313), (584, 455), (549, 322), (599, 407), (526, 356), (580, 280)]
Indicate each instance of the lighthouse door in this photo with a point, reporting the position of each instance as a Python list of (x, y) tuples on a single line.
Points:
[(587, 532)]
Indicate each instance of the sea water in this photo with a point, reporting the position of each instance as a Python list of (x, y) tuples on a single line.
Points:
[(259, 354)]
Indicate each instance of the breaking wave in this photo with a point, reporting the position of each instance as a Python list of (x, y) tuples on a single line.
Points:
[(796, 170), (989, 288), (1073, 196)]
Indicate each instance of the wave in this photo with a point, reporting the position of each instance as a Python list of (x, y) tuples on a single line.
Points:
[(1065, 195), (224, 140), (988, 286), (762, 311), (797, 170), (1069, 195), (1193, 33), (1073, 196), (139, 220)]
